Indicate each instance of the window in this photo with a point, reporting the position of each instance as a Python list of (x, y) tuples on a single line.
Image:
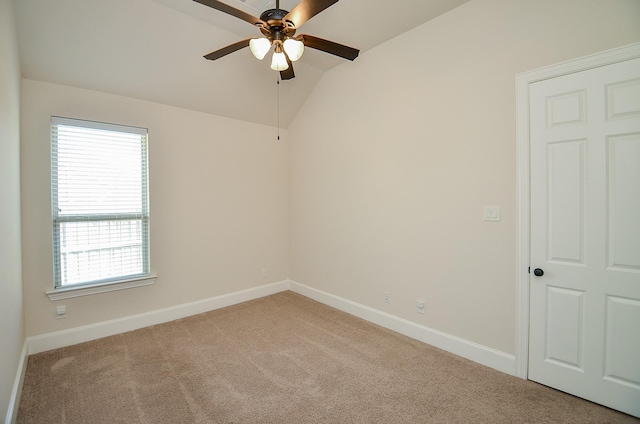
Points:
[(100, 202)]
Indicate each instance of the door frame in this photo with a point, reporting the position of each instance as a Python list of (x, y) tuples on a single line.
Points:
[(523, 165)]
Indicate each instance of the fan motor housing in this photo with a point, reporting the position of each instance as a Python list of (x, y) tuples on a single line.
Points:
[(273, 15), (277, 28)]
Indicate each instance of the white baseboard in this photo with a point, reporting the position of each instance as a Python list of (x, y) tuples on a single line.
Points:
[(14, 401), (90, 332), (461, 347)]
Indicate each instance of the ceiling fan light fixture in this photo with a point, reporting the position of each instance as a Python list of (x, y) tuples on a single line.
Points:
[(278, 28), (259, 47), (294, 48), (279, 62)]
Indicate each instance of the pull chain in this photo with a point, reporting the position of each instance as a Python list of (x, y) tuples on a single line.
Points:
[(278, 107)]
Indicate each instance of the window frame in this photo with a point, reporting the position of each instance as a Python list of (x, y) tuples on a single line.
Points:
[(118, 282)]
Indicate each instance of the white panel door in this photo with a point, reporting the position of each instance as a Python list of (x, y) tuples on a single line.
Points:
[(585, 235)]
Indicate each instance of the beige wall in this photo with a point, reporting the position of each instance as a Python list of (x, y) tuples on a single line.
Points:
[(11, 314), (394, 156), (219, 205)]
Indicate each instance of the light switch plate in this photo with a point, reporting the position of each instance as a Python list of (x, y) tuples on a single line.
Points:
[(492, 213)]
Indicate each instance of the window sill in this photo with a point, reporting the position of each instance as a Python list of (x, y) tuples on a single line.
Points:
[(68, 292)]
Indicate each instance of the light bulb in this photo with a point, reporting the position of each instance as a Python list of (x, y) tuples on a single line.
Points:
[(259, 47), (279, 62), (294, 48)]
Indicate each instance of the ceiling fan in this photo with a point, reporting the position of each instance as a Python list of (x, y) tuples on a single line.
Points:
[(279, 27)]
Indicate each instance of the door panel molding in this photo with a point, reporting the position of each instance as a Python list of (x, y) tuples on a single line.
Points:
[(523, 81)]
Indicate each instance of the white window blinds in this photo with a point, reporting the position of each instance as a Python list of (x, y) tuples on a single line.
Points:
[(100, 202)]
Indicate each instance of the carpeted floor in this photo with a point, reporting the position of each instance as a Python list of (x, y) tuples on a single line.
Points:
[(281, 359)]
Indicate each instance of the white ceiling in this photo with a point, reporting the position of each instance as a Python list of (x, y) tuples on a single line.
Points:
[(152, 49)]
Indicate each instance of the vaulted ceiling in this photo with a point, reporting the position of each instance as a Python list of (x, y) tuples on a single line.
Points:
[(152, 49)]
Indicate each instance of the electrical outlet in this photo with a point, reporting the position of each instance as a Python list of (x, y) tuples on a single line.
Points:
[(420, 306), (264, 272), (387, 297), (61, 311)]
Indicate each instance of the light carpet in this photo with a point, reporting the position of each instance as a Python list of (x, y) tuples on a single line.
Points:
[(281, 359)]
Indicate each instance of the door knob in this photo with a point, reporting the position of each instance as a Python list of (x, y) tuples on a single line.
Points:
[(538, 272)]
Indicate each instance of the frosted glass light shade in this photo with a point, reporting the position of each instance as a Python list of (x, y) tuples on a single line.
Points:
[(259, 47), (294, 48), (279, 62)]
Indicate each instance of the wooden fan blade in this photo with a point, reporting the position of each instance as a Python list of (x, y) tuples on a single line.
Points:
[(288, 73), (329, 46), (232, 11), (306, 10), (229, 49)]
